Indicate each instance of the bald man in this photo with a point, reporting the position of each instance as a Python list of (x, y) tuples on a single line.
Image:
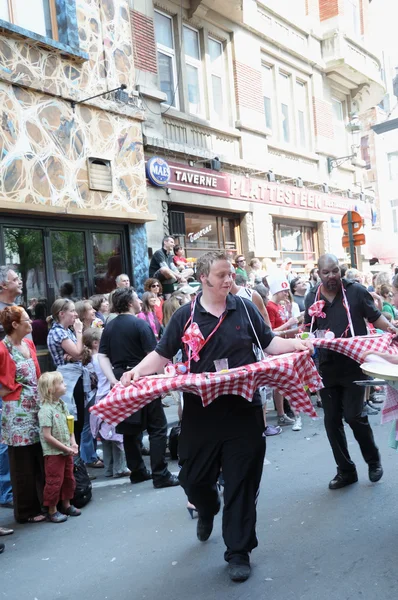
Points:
[(341, 397)]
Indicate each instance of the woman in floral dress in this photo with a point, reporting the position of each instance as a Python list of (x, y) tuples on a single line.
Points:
[(19, 372)]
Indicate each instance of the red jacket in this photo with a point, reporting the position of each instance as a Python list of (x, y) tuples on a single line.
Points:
[(8, 370)]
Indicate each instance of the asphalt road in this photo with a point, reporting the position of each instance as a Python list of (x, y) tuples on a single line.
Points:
[(135, 542)]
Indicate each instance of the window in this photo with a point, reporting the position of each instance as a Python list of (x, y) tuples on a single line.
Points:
[(38, 16), (193, 70), (302, 113), (352, 10), (295, 241), (285, 96), (216, 56), (268, 93), (339, 126), (392, 158), (166, 57)]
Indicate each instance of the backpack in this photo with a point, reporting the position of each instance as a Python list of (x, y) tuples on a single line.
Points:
[(173, 441), (83, 489)]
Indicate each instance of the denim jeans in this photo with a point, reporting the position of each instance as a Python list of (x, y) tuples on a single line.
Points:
[(5, 479), (87, 442)]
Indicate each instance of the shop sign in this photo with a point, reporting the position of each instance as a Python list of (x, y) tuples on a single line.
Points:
[(158, 171), (239, 187), (196, 236)]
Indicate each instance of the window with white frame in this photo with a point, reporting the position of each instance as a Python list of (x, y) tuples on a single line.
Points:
[(38, 16), (164, 33), (339, 124), (353, 14), (285, 95), (302, 114), (268, 94), (194, 70), (217, 75), (392, 158)]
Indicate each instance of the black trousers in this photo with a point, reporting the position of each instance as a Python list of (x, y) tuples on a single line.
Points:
[(154, 421), (27, 480), (227, 435), (344, 399)]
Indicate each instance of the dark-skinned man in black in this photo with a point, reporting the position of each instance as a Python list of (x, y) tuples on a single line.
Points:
[(341, 397)]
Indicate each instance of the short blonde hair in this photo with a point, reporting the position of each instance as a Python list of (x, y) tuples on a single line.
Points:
[(46, 385)]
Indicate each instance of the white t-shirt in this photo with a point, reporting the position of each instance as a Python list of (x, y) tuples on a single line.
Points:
[(103, 383), (245, 292)]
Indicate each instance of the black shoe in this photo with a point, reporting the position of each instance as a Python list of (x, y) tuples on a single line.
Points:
[(145, 451), (375, 473), (2, 546), (204, 528), (170, 481), (140, 476), (340, 481), (239, 567)]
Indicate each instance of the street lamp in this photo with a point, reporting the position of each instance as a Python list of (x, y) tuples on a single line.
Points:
[(354, 127)]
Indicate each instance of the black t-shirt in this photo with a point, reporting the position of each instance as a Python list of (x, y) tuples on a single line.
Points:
[(159, 260), (126, 340), (362, 307), (233, 340)]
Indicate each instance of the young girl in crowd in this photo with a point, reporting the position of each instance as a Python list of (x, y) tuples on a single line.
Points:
[(59, 446), (86, 314), (112, 442), (148, 313)]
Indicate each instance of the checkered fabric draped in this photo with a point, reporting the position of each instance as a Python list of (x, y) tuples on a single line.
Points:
[(287, 373), (354, 347)]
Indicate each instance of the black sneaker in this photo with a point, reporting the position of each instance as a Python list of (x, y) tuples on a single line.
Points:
[(170, 481), (340, 480), (140, 476), (239, 567), (375, 473)]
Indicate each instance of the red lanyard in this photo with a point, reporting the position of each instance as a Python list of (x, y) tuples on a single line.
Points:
[(190, 320), (346, 306)]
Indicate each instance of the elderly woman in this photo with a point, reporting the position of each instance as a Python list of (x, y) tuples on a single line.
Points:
[(19, 372)]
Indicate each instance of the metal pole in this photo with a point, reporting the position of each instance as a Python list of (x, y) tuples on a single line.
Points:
[(351, 240)]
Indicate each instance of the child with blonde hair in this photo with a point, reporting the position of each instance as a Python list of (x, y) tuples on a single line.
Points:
[(59, 446)]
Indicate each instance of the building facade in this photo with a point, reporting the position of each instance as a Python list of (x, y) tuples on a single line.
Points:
[(248, 102), (73, 203)]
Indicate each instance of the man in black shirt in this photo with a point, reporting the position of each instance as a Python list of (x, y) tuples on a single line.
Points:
[(341, 397), (125, 341), (162, 266), (227, 435)]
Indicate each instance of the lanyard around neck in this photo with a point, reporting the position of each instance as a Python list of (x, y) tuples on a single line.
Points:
[(191, 320)]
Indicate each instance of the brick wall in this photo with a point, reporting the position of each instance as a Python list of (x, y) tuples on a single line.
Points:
[(328, 9), (144, 44), (323, 118), (248, 87)]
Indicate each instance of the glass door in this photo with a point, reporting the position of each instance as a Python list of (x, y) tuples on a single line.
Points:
[(68, 265)]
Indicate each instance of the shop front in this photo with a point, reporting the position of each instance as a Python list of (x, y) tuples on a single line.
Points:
[(206, 209)]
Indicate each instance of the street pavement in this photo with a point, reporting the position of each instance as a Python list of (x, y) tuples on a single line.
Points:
[(133, 542)]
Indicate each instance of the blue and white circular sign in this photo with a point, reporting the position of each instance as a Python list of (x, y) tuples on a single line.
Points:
[(158, 171)]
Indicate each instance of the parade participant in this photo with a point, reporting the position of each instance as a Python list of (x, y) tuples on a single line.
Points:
[(19, 372), (122, 281), (345, 306), (227, 434), (59, 447), (125, 342)]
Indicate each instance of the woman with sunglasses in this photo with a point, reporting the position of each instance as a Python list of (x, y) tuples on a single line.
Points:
[(153, 285)]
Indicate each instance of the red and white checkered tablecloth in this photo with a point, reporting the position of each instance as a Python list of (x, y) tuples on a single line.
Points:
[(355, 347), (287, 373)]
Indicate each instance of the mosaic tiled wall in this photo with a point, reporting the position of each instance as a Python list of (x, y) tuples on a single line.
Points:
[(44, 144)]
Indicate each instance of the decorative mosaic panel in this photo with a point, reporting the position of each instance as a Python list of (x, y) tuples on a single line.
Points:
[(44, 144), (44, 148)]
